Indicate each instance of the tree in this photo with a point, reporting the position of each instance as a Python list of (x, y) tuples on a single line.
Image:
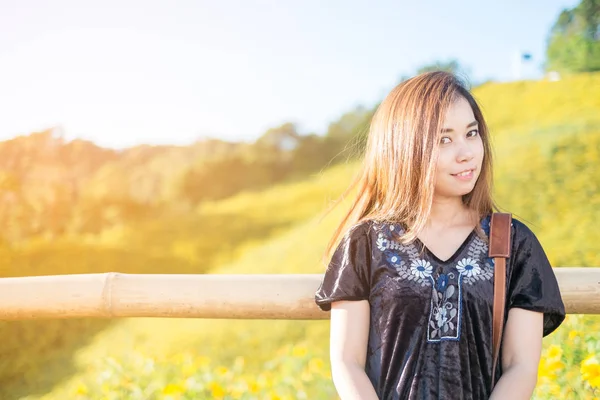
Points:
[(283, 138), (448, 66), (351, 123), (574, 40), (452, 66)]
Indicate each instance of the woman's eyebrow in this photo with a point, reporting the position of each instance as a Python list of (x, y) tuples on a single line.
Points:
[(447, 130)]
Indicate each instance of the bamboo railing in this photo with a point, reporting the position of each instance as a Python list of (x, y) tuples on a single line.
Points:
[(284, 296)]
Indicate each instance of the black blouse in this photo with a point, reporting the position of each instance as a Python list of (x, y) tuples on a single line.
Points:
[(430, 333)]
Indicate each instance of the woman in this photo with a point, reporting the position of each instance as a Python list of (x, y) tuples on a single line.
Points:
[(410, 283)]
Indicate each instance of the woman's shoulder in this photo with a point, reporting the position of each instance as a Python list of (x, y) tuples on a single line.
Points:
[(519, 228), (372, 225), (522, 230), (362, 228), (371, 230), (525, 241)]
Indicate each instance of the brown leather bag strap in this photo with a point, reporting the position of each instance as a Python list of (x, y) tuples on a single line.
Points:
[(499, 249)]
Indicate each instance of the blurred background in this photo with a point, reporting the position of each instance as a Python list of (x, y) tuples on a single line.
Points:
[(210, 137)]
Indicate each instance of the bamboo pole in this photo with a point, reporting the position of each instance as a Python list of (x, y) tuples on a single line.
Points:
[(256, 296)]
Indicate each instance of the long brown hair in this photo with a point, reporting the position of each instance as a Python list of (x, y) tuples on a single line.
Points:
[(397, 177)]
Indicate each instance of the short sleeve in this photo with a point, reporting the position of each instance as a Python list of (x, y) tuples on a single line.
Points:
[(347, 275), (533, 284)]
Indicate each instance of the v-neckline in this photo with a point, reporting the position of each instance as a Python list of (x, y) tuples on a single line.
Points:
[(454, 255), (458, 251)]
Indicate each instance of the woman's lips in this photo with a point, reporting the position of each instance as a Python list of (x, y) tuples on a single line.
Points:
[(464, 176)]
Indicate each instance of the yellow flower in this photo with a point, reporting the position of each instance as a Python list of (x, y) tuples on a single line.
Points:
[(315, 365), (548, 368), (555, 389), (543, 371), (299, 351), (253, 387), (173, 388), (81, 389), (188, 370), (216, 390), (306, 376), (573, 334), (554, 352), (202, 361), (267, 380), (590, 371), (274, 396), (221, 370), (556, 366)]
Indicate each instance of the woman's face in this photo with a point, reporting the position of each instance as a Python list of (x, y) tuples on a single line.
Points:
[(461, 152)]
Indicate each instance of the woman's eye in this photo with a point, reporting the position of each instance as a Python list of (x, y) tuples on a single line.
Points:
[(474, 130), (445, 140)]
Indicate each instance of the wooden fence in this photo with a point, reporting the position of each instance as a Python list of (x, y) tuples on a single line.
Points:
[(284, 296)]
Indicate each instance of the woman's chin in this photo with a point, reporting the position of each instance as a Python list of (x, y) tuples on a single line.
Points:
[(453, 193)]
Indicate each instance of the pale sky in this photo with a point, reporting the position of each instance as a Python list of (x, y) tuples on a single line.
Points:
[(122, 73)]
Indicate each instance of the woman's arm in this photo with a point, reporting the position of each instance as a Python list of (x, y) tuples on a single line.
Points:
[(348, 349), (521, 351)]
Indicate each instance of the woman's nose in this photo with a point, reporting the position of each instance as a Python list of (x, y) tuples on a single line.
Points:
[(465, 152)]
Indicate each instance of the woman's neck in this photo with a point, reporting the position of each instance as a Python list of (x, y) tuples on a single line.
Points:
[(450, 212)]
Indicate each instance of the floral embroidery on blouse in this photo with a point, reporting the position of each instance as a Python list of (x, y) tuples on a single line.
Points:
[(447, 286), (396, 254), (421, 269), (468, 267)]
